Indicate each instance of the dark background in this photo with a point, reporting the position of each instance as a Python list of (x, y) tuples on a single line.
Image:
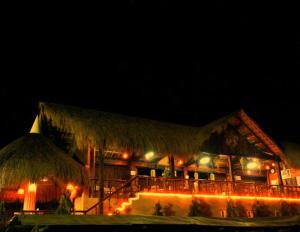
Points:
[(181, 62)]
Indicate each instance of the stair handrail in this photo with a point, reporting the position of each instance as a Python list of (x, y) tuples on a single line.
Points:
[(108, 196)]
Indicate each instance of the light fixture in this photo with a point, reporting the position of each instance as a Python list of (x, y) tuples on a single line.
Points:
[(267, 167), (125, 155), (70, 187), (204, 160), (273, 164), (20, 191), (180, 162), (149, 155), (32, 187), (252, 165)]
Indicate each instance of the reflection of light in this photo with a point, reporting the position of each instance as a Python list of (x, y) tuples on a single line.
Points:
[(218, 196), (125, 155), (149, 155), (204, 160), (32, 188), (20, 191), (252, 165), (180, 162)]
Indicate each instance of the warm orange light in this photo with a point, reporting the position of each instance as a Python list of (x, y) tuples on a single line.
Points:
[(180, 162), (252, 165), (45, 179), (32, 187), (20, 191), (267, 167), (70, 187), (125, 156), (149, 155), (218, 196), (205, 160), (273, 164), (109, 214)]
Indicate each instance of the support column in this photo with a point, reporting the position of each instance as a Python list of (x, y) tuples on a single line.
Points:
[(101, 178), (230, 172), (280, 182), (94, 163), (30, 197), (186, 177), (172, 166)]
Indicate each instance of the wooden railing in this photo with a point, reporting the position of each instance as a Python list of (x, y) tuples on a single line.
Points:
[(126, 190), (160, 184)]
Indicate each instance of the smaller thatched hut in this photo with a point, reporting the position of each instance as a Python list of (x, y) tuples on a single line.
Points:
[(34, 159)]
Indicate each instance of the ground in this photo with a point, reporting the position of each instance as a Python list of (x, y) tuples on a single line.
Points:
[(152, 223)]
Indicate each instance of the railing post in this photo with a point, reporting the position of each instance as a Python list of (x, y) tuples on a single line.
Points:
[(101, 178)]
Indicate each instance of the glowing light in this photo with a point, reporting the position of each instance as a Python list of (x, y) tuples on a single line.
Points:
[(125, 155), (180, 162), (45, 179), (70, 187), (267, 167), (273, 164), (109, 214), (149, 155), (204, 160), (272, 170), (32, 187), (218, 196), (252, 165), (20, 191)]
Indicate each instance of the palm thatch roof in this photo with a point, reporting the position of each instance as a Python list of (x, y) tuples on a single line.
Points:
[(141, 135), (33, 157), (292, 153), (118, 131)]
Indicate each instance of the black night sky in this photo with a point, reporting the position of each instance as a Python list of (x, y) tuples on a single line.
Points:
[(177, 62)]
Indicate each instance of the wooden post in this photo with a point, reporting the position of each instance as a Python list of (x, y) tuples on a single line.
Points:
[(230, 171), (101, 178), (172, 166), (94, 163), (231, 176), (279, 174), (30, 197)]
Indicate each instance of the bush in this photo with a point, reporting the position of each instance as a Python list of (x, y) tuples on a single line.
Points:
[(65, 204), (261, 210), (199, 208), (168, 211), (240, 209), (157, 209), (291, 209)]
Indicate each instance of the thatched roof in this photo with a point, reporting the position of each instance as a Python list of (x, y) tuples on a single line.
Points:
[(122, 132), (33, 157), (125, 133), (292, 153)]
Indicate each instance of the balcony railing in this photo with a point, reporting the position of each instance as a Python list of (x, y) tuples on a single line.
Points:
[(175, 185)]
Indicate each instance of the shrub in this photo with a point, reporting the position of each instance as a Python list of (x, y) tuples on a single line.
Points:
[(65, 204), (261, 210), (230, 209), (168, 211), (157, 209), (240, 209), (199, 208), (291, 209)]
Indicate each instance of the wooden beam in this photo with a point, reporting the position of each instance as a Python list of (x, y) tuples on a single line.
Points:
[(172, 166), (101, 178), (230, 171)]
